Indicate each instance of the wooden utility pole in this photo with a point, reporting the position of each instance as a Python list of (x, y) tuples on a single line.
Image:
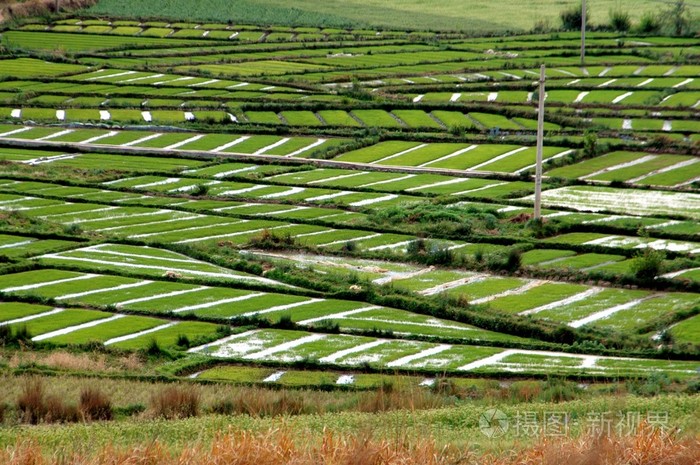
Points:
[(540, 143), (583, 32)]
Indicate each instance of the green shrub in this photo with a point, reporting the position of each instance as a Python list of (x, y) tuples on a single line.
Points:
[(649, 23), (571, 18), (619, 19), (647, 265)]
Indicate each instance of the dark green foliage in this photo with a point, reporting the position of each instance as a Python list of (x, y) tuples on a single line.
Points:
[(183, 341), (571, 18), (648, 264), (200, 190), (270, 240), (619, 19), (285, 322), (430, 219), (649, 23)]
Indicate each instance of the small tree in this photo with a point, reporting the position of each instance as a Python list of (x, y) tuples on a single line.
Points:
[(678, 17), (648, 265)]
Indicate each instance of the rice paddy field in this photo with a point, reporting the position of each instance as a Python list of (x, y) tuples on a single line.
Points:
[(342, 209)]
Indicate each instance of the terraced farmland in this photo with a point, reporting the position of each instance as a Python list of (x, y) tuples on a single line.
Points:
[(249, 202)]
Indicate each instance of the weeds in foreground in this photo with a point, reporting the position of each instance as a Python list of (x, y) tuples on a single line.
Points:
[(280, 447)]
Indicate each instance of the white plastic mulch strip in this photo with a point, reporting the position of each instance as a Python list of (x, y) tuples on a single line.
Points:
[(150, 223), (561, 303), (139, 334), (448, 156), (48, 283), (267, 148), (554, 157), (608, 312), (244, 190), (206, 347), (333, 178), (666, 169), (31, 317), (675, 274), (285, 193), (517, 291), (437, 184), (403, 152), (281, 307), (56, 134), (70, 329), (492, 97), (227, 145), (160, 296), (361, 238), (274, 377), (92, 140), (365, 202), (339, 315), (328, 196), (452, 284), (482, 188), (142, 78), (285, 346), (239, 233), (16, 244), (332, 358), (183, 142), (581, 96), (205, 83), (113, 75), (455, 97), (387, 181), (498, 158), (307, 148), (15, 131), (217, 302), (620, 166), (622, 97), (98, 291), (418, 98), (157, 183), (141, 140), (646, 82), (147, 117), (422, 354), (684, 83), (395, 245), (345, 380)]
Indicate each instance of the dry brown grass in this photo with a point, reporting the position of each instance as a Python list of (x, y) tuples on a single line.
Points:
[(91, 362), (34, 406), (94, 405), (275, 447), (174, 402)]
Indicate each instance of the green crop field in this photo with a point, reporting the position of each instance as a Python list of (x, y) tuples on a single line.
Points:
[(314, 212)]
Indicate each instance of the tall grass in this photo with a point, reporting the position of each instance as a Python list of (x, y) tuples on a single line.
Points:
[(279, 447)]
